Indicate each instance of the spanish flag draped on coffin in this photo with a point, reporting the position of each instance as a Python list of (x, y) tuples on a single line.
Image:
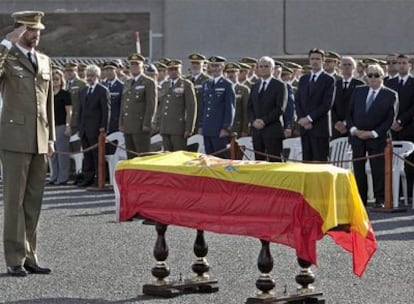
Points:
[(293, 204)]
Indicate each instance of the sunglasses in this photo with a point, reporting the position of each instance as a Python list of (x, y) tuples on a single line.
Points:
[(375, 75)]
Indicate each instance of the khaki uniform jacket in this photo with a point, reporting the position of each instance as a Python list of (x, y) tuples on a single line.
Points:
[(178, 108), (198, 88), (240, 123), (77, 85), (27, 118), (138, 104)]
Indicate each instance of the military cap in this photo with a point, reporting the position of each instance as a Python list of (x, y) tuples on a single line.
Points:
[(110, 65), (164, 60), (160, 66), (136, 58), (174, 63), (217, 59), (278, 63), (56, 67), (70, 66), (286, 70), (82, 66), (231, 66), (382, 62), (368, 61), (196, 57), (292, 65), (152, 68), (248, 60), (32, 19), (306, 68), (329, 55), (244, 67)]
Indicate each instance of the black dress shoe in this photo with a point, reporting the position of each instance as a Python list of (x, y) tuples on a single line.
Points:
[(16, 271), (86, 183), (33, 268)]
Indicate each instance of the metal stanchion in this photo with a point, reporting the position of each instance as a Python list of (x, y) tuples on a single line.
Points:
[(101, 164)]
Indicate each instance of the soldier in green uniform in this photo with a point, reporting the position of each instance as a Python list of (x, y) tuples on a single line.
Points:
[(27, 134), (243, 75), (240, 123), (252, 63), (138, 107), (178, 109)]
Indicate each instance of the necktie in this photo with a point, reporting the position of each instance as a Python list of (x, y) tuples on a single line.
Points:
[(69, 85), (313, 78), (345, 85), (193, 79), (32, 60), (263, 87), (90, 91), (370, 100), (401, 82)]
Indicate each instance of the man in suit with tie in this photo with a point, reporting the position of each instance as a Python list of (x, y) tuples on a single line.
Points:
[(178, 109), (217, 108), (138, 107), (313, 100), (94, 106), (370, 118), (403, 126), (265, 108), (27, 135), (344, 88)]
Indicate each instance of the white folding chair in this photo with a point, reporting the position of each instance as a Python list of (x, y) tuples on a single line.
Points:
[(246, 143), (78, 157), (340, 152), (294, 146), (197, 139), (119, 154), (402, 149)]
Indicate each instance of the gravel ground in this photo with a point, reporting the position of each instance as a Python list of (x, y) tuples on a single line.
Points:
[(97, 260)]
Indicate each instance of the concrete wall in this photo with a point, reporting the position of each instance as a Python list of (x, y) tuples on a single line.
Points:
[(236, 28)]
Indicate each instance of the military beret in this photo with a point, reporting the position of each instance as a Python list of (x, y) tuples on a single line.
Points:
[(286, 70), (292, 65), (136, 58), (164, 60), (329, 55), (196, 57), (248, 60), (160, 66), (231, 66), (152, 68), (244, 67), (217, 59), (70, 66), (174, 63), (32, 19)]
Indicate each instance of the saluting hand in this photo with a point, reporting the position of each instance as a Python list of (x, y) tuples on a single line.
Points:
[(15, 35)]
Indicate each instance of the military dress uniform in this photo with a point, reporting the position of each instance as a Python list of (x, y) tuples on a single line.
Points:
[(138, 108), (240, 124), (178, 111), (27, 125)]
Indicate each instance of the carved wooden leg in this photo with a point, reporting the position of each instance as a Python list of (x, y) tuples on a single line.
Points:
[(201, 266), (305, 278)]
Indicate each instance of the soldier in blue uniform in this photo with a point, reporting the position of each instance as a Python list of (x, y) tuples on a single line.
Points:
[(217, 108)]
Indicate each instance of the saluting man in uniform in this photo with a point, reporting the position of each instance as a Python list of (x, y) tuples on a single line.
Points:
[(178, 109), (27, 134), (138, 107), (217, 108)]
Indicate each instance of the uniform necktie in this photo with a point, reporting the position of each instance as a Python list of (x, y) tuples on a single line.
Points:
[(32, 60), (370, 100)]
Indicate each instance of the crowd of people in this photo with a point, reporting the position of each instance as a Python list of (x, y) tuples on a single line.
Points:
[(334, 96)]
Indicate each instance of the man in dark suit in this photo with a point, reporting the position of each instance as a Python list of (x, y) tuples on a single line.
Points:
[(313, 101), (344, 88), (114, 86), (217, 108), (370, 118), (27, 134), (265, 107), (94, 106), (403, 126)]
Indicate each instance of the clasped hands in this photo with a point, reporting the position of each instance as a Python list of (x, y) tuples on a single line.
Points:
[(305, 123)]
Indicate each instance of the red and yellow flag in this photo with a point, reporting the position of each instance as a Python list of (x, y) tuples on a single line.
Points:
[(288, 203)]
